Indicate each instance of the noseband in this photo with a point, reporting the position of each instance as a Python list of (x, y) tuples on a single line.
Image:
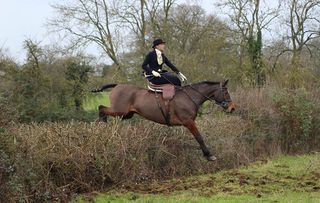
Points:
[(225, 103)]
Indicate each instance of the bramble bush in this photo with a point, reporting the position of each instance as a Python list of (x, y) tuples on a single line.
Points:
[(51, 161), (298, 115)]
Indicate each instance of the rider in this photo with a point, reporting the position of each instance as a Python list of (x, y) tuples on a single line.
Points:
[(152, 66)]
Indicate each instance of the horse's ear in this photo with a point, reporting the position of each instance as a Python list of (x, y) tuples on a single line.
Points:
[(225, 83)]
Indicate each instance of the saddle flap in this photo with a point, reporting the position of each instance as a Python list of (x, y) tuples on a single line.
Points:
[(168, 90)]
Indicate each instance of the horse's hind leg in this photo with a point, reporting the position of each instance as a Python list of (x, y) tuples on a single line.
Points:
[(194, 130), (128, 115), (104, 112)]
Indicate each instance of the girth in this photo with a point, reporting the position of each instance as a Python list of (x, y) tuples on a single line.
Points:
[(167, 91)]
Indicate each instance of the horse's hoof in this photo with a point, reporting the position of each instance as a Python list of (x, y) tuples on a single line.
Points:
[(211, 158)]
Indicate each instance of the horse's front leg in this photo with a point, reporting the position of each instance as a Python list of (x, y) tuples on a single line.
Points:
[(194, 130)]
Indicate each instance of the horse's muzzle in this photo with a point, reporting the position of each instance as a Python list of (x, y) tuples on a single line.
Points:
[(231, 107)]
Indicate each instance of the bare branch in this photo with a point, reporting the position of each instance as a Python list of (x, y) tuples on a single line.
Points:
[(87, 21)]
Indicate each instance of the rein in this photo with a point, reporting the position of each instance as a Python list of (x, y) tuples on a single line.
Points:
[(222, 104)]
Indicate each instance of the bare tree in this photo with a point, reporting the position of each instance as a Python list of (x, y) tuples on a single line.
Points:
[(143, 15), (198, 42), (159, 14), (34, 53), (132, 15), (304, 26), (88, 21), (248, 21)]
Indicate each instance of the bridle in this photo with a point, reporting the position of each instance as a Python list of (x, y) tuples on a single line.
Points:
[(224, 104)]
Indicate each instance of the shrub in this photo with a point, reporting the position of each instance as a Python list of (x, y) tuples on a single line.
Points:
[(7, 111), (10, 185), (297, 119), (62, 115), (54, 160)]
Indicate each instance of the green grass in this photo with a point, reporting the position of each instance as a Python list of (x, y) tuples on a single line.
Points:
[(285, 179), (92, 102), (219, 198)]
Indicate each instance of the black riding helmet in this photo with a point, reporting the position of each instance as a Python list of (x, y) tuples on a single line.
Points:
[(157, 42)]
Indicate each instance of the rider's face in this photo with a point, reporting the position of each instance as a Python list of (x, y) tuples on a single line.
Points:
[(161, 47)]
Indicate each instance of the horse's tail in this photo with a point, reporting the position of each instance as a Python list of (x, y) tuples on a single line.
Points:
[(107, 86)]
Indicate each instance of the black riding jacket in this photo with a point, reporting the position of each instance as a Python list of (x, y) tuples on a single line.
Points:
[(150, 63)]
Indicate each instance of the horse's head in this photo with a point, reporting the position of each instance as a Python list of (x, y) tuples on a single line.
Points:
[(223, 98)]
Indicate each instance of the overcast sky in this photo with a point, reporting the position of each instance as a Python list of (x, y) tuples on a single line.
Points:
[(22, 19)]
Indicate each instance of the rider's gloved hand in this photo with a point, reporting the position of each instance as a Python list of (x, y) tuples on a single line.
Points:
[(183, 78), (155, 74)]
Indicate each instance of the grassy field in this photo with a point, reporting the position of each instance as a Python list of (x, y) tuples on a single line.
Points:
[(285, 179), (92, 101)]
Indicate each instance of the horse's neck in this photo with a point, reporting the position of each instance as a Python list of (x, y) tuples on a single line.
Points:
[(201, 92)]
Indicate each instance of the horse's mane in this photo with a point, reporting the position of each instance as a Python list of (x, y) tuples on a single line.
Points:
[(204, 82), (211, 82)]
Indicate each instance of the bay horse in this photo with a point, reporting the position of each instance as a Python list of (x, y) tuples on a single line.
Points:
[(126, 100)]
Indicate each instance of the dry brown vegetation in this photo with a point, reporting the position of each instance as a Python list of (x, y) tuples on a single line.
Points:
[(51, 161), (275, 83)]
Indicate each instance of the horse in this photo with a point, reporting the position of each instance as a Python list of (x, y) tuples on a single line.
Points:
[(127, 100)]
